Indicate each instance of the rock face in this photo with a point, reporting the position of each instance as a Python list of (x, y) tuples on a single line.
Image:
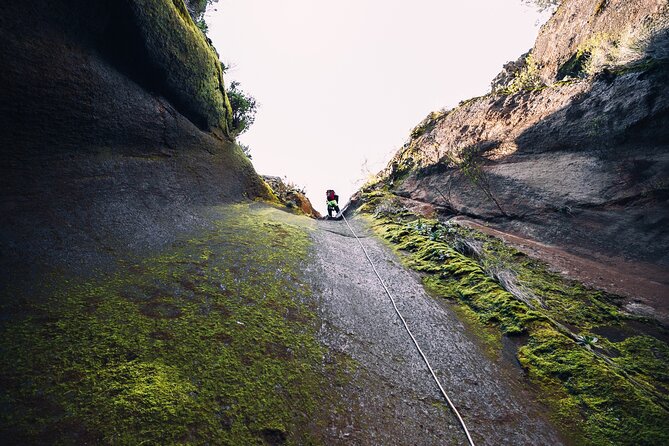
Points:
[(606, 25), (581, 164), (291, 196), (113, 132)]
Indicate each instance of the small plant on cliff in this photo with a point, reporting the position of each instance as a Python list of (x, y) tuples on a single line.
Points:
[(247, 150), (202, 25), (470, 163), (630, 49), (543, 5), (244, 108), (197, 8), (525, 77), (428, 123)]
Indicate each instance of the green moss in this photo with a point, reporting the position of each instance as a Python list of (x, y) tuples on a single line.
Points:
[(427, 124), (526, 79), (602, 392), (213, 341), (188, 64), (457, 277), (645, 355), (612, 409)]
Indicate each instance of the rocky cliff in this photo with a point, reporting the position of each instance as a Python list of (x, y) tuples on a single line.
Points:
[(540, 213), (139, 304), (114, 133), (569, 153), (291, 196)]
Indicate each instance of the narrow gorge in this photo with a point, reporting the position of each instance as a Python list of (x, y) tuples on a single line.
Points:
[(157, 290)]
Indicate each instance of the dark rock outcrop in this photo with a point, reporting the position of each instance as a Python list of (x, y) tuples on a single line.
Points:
[(582, 165), (113, 124)]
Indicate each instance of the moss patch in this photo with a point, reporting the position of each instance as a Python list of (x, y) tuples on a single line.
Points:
[(213, 341), (188, 64), (602, 391)]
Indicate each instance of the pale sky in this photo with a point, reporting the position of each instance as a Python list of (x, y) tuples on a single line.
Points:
[(341, 83)]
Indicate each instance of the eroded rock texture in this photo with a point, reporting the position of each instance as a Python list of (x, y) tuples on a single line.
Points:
[(113, 132), (291, 196), (581, 162)]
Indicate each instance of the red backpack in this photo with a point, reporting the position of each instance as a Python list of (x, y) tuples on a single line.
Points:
[(330, 194)]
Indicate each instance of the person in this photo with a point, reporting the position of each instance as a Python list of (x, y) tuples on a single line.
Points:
[(332, 202)]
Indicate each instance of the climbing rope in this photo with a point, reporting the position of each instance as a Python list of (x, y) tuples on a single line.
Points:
[(427, 363)]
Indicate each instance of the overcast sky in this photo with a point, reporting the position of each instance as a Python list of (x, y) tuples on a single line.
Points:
[(341, 83)]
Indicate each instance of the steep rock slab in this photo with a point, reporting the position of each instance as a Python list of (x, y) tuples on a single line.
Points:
[(581, 164), (392, 398), (593, 24), (103, 150)]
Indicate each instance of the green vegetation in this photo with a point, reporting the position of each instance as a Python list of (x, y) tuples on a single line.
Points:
[(210, 342), (543, 5), (188, 64), (190, 67), (290, 195), (246, 150), (244, 108), (603, 391), (575, 67), (621, 52), (525, 79), (197, 8), (427, 124), (202, 25)]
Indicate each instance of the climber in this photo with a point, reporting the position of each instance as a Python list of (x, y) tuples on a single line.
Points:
[(332, 200)]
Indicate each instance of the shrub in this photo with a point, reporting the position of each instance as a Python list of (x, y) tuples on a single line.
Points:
[(246, 149), (523, 77), (630, 48), (244, 107), (428, 123), (202, 25), (197, 8)]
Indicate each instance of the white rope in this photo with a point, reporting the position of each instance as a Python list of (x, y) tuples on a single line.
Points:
[(443, 392)]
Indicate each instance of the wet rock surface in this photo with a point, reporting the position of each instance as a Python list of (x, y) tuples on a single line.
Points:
[(391, 397)]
